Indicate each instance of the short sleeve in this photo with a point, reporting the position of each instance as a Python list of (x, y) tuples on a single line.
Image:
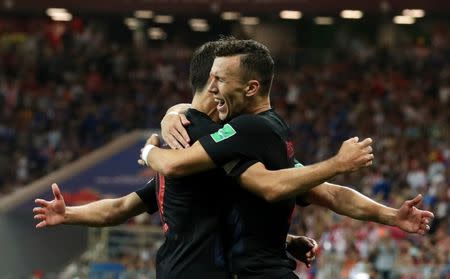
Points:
[(301, 199), (240, 143), (148, 196)]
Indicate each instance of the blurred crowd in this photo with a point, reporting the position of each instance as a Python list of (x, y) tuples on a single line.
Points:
[(65, 91)]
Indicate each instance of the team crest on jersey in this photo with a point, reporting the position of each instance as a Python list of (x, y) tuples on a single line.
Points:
[(290, 149), (222, 134)]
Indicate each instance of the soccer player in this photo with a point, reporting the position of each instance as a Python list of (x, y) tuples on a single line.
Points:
[(242, 75), (194, 224)]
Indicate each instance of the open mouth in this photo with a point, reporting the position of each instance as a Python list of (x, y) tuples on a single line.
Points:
[(220, 103)]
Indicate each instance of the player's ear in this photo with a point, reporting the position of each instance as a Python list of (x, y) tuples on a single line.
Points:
[(252, 88)]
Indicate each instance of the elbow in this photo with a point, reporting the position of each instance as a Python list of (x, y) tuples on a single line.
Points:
[(115, 216), (109, 219), (271, 197), (272, 193), (266, 187), (171, 169)]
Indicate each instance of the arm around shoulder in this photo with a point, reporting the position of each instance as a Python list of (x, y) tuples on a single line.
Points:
[(182, 162)]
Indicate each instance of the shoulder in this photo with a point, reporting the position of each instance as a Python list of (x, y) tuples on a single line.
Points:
[(249, 120), (247, 125)]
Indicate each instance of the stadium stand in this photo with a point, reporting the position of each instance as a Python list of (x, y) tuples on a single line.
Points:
[(62, 95)]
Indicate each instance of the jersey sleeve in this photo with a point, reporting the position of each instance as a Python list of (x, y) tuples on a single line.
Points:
[(148, 195), (300, 200), (239, 167), (238, 144)]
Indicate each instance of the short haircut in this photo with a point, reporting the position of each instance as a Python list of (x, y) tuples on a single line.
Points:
[(201, 63), (256, 61)]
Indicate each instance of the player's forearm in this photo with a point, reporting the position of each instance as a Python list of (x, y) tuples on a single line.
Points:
[(179, 108), (100, 213), (348, 202), (177, 163), (164, 161), (286, 183), (296, 181)]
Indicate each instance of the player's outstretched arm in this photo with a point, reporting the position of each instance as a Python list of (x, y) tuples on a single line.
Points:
[(175, 163), (106, 212), (285, 183), (348, 202)]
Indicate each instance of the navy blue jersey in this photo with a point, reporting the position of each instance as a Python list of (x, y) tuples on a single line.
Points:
[(193, 212), (259, 227)]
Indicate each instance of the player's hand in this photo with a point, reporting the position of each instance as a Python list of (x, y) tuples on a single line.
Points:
[(411, 219), (50, 213), (153, 140), (302, 248), (354, 154), (173, 131)]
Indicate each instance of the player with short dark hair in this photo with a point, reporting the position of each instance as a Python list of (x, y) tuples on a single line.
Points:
[(260, 226)]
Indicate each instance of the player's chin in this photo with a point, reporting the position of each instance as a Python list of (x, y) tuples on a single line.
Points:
[(224, 115)]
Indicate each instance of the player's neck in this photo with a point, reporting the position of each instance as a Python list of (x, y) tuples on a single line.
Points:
[(205, 104), (259, 107)]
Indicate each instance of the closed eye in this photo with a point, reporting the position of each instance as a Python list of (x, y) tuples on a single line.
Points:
[(220, 79)]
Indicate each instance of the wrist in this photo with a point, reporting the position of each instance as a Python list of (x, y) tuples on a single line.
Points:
[(145, 151), (67, 215), (336, 165), (391, 217)]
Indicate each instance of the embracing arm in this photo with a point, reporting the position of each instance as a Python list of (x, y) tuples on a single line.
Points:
[(179, 162), (106, 212), (281, 184), (285, 183), (348, 202)]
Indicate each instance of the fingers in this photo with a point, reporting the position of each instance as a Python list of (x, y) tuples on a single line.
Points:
[(141, 162), (421, 232), (56, 191), (427, 214), (41, 224), (424, 226), (38, 210), (154, 140), (312, 243), (181, 128), (178, 139), (172, 142), (39, 216), (174, 132), (354, 140), (185, 122), (41, 202), (366, 143), (415, 201), (309, 260), (315, 247), (369, 158)]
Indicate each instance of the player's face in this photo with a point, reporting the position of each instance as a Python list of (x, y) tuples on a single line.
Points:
[(228, 87)]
